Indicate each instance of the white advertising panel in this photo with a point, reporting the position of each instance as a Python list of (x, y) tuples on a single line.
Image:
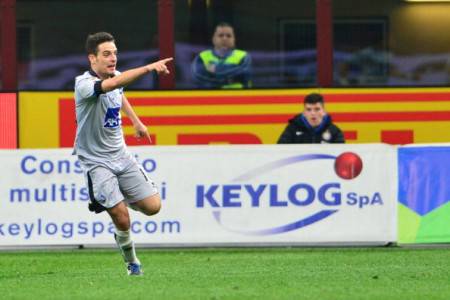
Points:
[(270, 194)]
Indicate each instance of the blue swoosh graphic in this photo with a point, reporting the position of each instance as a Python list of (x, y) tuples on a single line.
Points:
[(284, 228), (280, 163)]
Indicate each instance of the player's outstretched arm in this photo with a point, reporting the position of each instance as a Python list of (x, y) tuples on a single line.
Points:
[(131, 75), (141, 130)]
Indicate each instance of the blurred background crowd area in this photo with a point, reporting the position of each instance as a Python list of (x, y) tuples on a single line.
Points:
[(375, 43)]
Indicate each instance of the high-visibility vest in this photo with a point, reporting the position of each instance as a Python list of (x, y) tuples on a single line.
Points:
[(235, 58)]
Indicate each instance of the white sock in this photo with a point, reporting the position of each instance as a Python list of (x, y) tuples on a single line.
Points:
[(126, 246)]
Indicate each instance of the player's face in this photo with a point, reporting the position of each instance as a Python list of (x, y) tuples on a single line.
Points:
[(314, 113), (104, 63), (223, 38)]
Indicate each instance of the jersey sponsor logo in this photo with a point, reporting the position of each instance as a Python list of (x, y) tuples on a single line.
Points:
[(112, 118)]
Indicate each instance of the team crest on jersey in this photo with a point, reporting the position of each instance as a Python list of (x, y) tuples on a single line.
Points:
[(112, 118), (326, 136)]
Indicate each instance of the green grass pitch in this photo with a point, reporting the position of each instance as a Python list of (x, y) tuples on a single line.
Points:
[(230, 273)]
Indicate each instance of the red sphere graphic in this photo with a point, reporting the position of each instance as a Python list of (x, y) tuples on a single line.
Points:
[(348, 165)]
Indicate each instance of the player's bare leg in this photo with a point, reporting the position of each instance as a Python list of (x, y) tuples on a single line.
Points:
[(148, 206), (121, 219)]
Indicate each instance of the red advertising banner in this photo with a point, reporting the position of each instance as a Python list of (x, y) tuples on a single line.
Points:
[(8, 121), (389, 115)]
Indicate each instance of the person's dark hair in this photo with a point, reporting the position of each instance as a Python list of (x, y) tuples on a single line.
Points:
[(93, 40), (313, 99), (223, 24)]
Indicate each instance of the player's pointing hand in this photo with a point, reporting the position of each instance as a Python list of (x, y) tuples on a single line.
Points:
[(160, 66)]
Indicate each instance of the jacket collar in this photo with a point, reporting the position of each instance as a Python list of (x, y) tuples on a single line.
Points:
[(325, 121)]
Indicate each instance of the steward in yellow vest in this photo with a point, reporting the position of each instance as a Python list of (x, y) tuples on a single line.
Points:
[(224, 66)]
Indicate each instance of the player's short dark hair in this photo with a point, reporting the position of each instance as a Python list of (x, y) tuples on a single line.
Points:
[(313, 99), (95, 39)]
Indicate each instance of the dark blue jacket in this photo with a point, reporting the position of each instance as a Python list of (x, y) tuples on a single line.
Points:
[(299, 131), (231, 70)]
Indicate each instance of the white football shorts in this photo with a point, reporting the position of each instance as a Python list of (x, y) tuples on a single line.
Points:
[(109, 187)]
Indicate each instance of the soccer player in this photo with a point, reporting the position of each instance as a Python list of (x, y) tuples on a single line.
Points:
[(114, 178)]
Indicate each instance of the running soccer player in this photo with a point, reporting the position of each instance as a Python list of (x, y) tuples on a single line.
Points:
[(113, 176)]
